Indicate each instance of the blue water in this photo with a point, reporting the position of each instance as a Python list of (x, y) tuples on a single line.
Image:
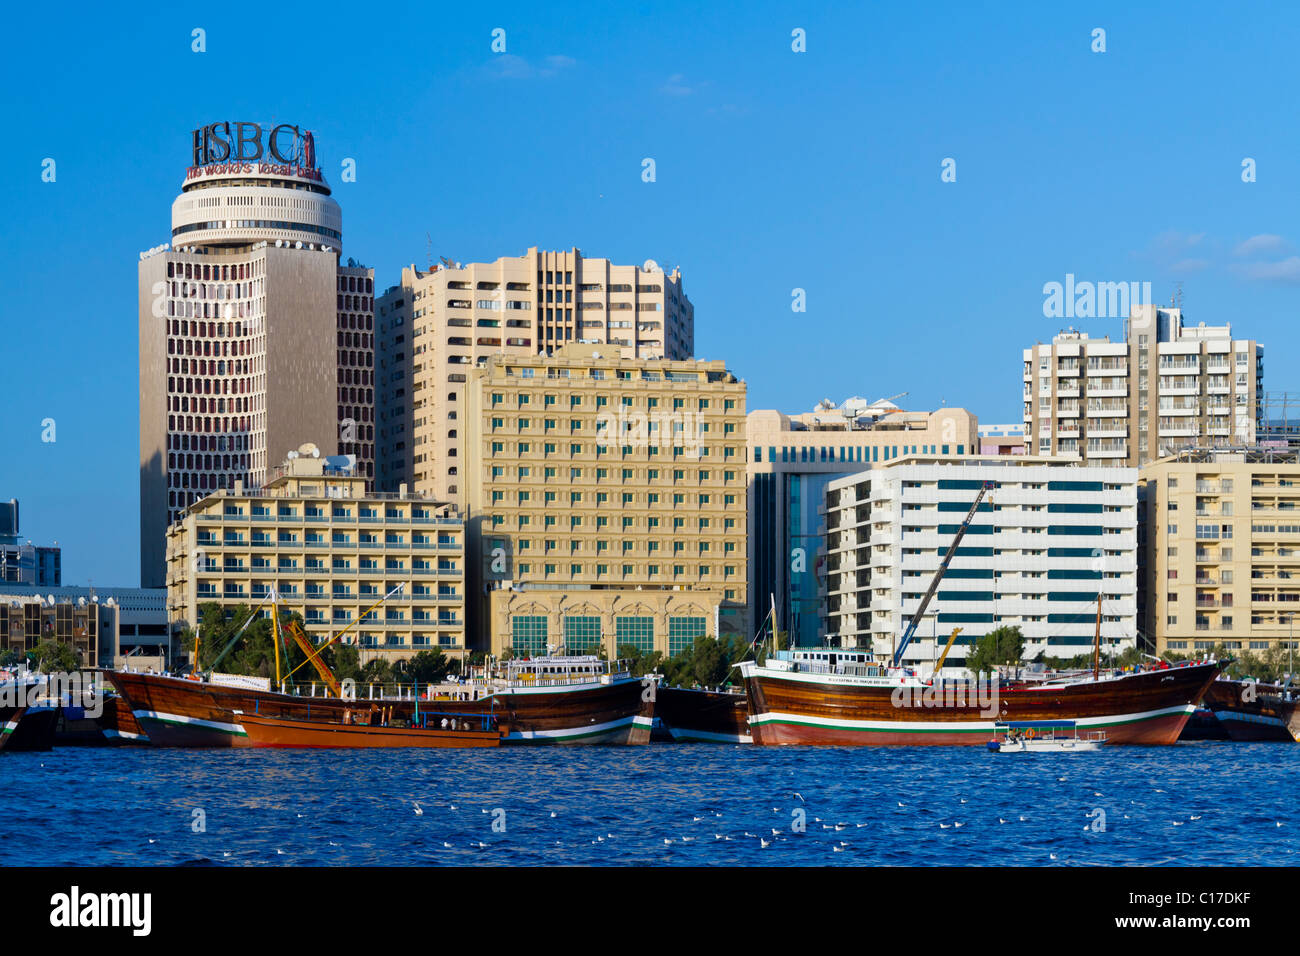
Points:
[(1203, 803)]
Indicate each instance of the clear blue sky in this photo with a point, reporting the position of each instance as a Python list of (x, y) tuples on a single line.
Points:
[(775, 170)]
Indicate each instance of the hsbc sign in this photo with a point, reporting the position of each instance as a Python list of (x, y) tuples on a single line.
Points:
[(230, 142)]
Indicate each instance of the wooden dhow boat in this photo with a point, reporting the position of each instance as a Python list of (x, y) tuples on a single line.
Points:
[(542, 700), (1249, 711), (27, 713), (842, 698), (538, 701), (693, 715), (104, 719)]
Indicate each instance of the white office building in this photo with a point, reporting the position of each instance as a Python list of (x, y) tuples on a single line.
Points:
[(1047, 538)]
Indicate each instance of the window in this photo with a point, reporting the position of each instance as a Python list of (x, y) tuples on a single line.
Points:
[(682, 632), (636, 631), (528, 634)]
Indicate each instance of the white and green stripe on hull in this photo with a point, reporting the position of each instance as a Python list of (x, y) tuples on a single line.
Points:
[(955, 727), (589, 734), (180, 720)]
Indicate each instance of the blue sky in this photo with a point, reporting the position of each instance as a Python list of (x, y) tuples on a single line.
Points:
[(775, 170)]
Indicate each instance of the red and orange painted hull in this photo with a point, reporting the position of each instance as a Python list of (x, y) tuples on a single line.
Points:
[(282, 732)]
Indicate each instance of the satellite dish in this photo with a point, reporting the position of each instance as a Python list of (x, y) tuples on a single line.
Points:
[(650, 266), (292, 455)]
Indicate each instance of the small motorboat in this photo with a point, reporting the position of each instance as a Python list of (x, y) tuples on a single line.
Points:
[(1044, 736)]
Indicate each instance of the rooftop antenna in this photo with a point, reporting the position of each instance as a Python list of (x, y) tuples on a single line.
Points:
[(1176, 300), (428, 252)]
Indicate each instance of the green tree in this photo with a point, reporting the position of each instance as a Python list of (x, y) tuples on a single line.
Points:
[(706, 663), (640, 662), (429, 667), (347, 662), (1003, 645), (378, 671), (50, 656)]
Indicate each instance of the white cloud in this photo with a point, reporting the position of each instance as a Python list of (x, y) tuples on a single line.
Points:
[(1286, 270), (1265, 242), (677, 86), (507, 66)]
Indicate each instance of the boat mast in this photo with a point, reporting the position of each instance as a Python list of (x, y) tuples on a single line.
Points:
[(1096, 642), (772, 597), (275, 636)]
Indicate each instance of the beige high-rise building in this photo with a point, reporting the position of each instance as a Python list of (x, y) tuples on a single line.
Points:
[(332, 551), (436, 326), (791, 461), (1166, 386), (251, 331), (606, 501), (1221, 549)]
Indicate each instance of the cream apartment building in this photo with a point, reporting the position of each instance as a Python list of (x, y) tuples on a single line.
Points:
[(332, 551), (1222, 549), (1167, 386), (437, 325), (607, 501)]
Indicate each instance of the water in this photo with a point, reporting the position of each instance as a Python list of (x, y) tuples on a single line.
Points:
[(1194, 804)]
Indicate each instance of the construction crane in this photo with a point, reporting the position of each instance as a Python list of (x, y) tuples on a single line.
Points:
[(910, 632)]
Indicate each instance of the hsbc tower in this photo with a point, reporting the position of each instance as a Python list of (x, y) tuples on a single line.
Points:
[(254, 338)]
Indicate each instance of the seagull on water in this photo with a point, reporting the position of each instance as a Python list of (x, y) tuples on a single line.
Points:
[(419, 810), (764, 843)]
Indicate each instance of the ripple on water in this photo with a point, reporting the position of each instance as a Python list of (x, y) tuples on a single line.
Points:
[(1214, 803)]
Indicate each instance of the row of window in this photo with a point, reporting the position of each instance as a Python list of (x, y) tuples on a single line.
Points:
[(530, 633)]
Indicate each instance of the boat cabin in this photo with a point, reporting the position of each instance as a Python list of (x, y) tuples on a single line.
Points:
[(823, 660), (574, 669)]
